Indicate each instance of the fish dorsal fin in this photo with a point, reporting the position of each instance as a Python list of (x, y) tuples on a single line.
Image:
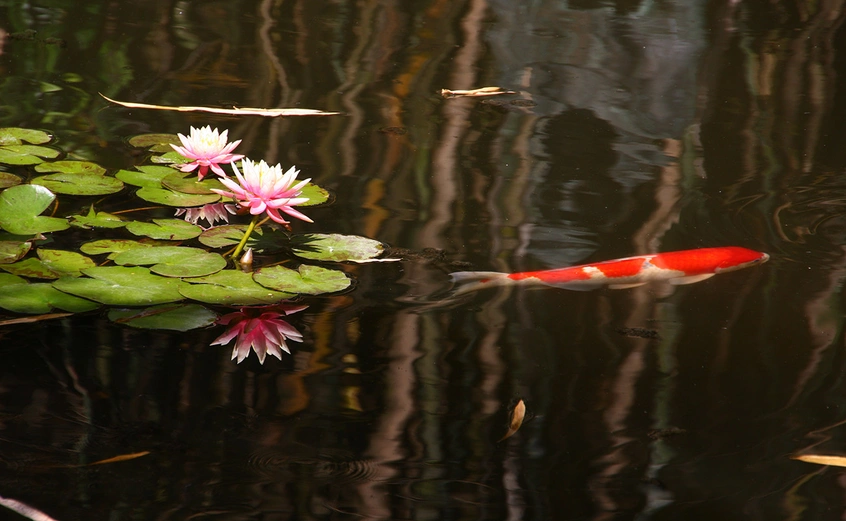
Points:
[(691, 279), (625, 286)]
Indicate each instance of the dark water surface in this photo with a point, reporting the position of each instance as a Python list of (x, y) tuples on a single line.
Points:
[(637, 127)]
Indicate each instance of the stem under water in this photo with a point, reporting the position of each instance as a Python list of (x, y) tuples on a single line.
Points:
[(247, 234)]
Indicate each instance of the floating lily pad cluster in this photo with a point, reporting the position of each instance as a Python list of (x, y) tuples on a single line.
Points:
[(166, 270)]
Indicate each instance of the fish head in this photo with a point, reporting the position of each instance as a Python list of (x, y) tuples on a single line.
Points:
[(736, 258)]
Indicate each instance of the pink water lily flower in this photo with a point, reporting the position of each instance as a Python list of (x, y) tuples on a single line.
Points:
[(208, 148), (211, 213), (265, 188), (264, 333)]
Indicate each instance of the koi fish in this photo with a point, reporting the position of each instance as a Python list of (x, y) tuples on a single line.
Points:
[(675, 267)]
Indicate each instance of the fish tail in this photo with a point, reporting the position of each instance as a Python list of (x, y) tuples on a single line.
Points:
[(474, 280)]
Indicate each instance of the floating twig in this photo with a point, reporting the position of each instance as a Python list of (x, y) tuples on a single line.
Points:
[(236, 111)]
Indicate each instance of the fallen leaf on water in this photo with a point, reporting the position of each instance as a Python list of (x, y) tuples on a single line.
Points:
[(122, 457), (26, 320), (819, 459), (484, 91), (243, 111), (517, 416)]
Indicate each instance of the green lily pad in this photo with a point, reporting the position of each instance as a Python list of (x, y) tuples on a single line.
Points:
[(315, 194), (175, 317), (262, 240), (31, 268), (41, 298), (16, 136), (173, 261), (145, 177), (96, 220), (71, 167), (33, 150), (179, 182), (307, 280), (170, 158), (335, 247), (65, 262), (115, 246), (11, 157), (149, 140), (165, 229), (20, 207), (231, 288), (177, 199), (121, 286), (11, 251), (80, 184), (7, 180)]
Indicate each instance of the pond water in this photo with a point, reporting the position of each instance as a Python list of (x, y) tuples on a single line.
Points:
[(635, 127)]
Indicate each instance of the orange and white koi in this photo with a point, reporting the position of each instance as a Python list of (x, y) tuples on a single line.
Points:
[(675, 267)]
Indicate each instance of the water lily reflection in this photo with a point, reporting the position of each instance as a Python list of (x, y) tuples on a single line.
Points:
[(260, 329), (265, 188), (211, 213), (208, 149)]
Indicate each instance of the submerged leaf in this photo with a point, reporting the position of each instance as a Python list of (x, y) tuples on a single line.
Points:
[(307, 280), (179, 317)]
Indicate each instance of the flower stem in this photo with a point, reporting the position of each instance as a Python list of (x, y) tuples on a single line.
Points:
[(247, 234)]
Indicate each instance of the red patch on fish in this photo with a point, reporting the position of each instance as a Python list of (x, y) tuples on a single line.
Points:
[(704, 260), (620, 268)]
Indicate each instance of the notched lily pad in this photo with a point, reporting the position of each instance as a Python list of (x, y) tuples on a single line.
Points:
[(177, 199), (65, 262), (175, 317), (262, 240), (96, 220), (71, 167), (179, 182), (41, 298), (335, 247), (80, 184), (150, 177), (307, 280), (16, 136), (151, 140), (316, 195), (20, 207), (115, 246), (231, 288), (165, 229), (170, 158), (173, 261), (121, 286), (31, 268)]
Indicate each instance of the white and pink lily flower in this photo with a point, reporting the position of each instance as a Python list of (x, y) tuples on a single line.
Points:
[(208, 149), (211, 213)]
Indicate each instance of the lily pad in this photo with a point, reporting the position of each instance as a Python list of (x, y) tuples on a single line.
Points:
[(179, 182), (11, 157), (315, 194), (115, 246), (145, 177), (7, 180), (97, 220), (15, 136), (165, 229), (173, 261), (32, 150), (121, 286), (231, 288), (20, 207), (80, 184), (65, 262), (71, 167), (307, 280), (170, 158), (175, 317), (41, 298), (335, 247), (11, 251), (31, 268), (262, 240), (177, 199), (150, 140)]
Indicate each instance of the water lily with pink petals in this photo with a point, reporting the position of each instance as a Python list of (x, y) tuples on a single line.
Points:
[(259, 329), (265, 188), (208, 149), (211, 213)]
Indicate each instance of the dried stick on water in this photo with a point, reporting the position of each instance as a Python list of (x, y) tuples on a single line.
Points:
[(25, 510)]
